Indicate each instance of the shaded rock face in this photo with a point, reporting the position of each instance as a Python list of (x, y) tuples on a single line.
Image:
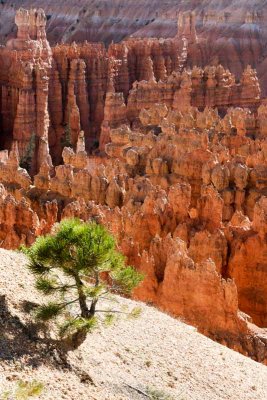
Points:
[(178, 175)]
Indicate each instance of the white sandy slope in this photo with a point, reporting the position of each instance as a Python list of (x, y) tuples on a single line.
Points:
[(155, 351)]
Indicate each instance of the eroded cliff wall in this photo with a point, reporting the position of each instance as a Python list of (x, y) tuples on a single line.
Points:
[(172, 160), (49, 95), (232, 33)]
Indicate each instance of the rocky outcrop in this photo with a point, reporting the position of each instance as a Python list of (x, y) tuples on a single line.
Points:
[(171, 160), (31, 33), (247, 264), (19, 224), (187, 27)]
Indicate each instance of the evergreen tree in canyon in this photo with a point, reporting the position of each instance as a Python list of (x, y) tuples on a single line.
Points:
[(79, 267)]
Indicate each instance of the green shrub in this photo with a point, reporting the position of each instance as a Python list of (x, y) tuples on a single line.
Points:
[(24, 391), (155, 394)]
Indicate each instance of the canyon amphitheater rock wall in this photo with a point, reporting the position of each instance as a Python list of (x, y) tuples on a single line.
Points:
[(230, 32), (49, 95), (179, 176)]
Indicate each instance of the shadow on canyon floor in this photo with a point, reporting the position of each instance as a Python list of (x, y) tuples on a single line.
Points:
[(19, 342)]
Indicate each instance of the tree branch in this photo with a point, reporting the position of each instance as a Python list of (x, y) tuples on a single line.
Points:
[(112, 311), (137, 390)]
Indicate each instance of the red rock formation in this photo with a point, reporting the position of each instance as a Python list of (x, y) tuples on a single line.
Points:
[(181, 184), (26, 61), (216, 193), (19, 224), (114, 110), (10, 171), (228, 33), (86, 87), (187, 27), (247, 264)]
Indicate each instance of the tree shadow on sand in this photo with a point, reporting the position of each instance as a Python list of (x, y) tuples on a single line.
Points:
[(19, 342)]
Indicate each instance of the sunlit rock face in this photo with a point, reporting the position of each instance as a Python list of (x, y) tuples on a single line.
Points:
[(172, 160)]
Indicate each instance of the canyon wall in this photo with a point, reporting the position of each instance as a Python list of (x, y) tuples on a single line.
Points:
[(230, 32), (172, 160), (49, 95)]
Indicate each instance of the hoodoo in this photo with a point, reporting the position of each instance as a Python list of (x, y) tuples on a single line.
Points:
[(169, 154)]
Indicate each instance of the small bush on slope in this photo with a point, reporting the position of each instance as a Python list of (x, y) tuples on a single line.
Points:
[(79, 265), (155, 394), (24, 391)]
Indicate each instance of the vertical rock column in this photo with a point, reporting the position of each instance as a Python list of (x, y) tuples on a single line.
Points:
[(42, 116), (250, 88), (55, 103), (98, 85), (115, 108), (182, 96), (72, 115), (22, 20), (25, 120), (82, 97), (187, 27), (121, 79)]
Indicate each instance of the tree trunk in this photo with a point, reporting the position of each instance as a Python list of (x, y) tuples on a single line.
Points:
[(82, 298), (92, 308)]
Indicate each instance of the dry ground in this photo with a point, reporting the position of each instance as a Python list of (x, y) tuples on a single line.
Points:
[(155, 351)]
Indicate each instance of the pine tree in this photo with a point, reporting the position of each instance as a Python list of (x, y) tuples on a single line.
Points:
[(79, 265)]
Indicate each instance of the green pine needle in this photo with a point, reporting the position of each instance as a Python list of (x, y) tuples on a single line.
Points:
[(73, 325), (37, 268), (93, 291), (109, 319), (48, 311), (25, 390), (135, 312), (46, 286), (155, 394), (127, 278)]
